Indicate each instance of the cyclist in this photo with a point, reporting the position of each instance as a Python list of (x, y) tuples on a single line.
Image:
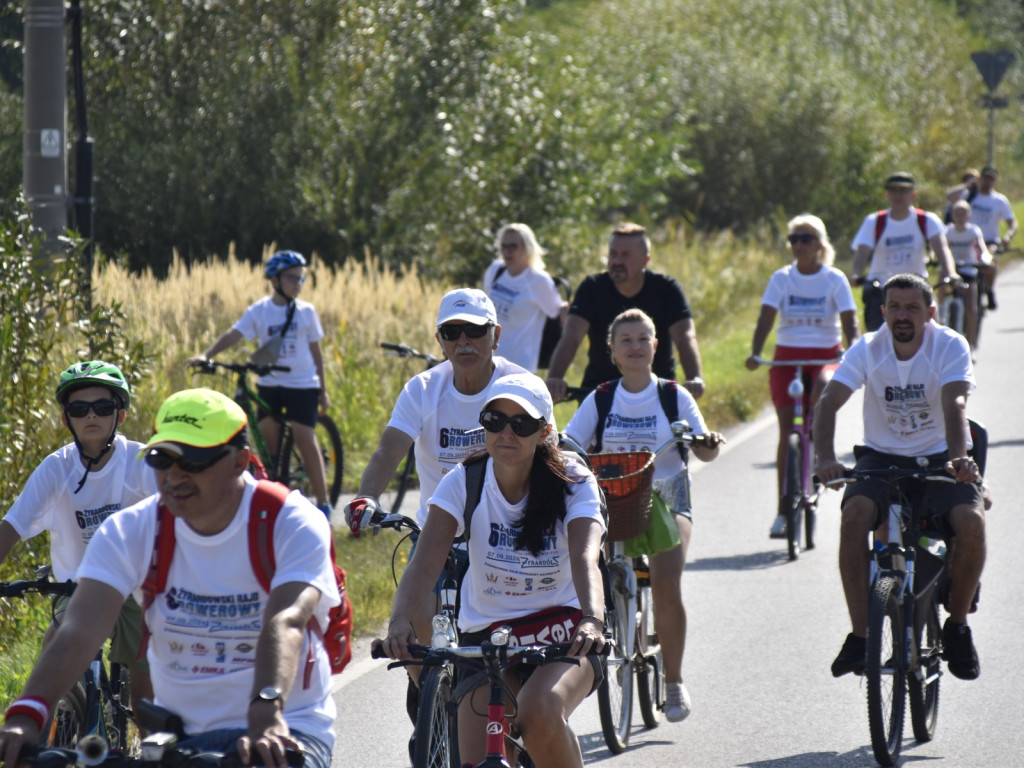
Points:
[(988, 210), (539, 518), (70, 504), (917, 377), (970, 253), (637, 420), (814, 303), (896, 241), (226, 655), (289, 332)]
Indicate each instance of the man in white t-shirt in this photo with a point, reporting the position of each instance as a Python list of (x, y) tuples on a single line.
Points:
[(896, 241), (917, 377), (226, 655), (989, 209)]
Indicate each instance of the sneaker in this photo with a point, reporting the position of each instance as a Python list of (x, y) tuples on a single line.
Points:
[(778, 527), (851, 658), (958, 651), (677, 702), (991, 300)]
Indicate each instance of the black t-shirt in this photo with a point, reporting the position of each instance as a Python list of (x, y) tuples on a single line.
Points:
[(598, 302)]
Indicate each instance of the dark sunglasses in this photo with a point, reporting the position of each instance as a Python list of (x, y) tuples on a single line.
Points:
[(522, 424), (162, 460), (472, 330), (803, 237), (80, 409)]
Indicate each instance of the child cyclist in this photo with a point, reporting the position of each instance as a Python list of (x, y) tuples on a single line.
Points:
[(77, 487), (291, 325)]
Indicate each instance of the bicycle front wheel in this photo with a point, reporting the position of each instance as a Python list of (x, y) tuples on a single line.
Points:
[(615, 695), (295, 475), (792, 498), (955, 316), (67, 721), (886, 678), (650, 678), (393, 496), (436, 743), (924, 690)]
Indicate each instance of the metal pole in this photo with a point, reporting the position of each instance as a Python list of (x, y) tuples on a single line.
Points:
[(45, 158), (991, 130)]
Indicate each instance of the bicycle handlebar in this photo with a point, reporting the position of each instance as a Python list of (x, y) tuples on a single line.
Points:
[(531, 654), (174, 757), (933, 474), (260, 369), (404, 350), (394, 521), (43, 586)]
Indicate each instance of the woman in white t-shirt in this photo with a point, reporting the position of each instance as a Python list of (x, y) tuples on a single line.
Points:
[(523, 293), (814, 303), (537, 531), (636, 420)]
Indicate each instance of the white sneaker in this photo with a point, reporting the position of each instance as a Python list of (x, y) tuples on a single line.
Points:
[(677, 702), (779, 527)]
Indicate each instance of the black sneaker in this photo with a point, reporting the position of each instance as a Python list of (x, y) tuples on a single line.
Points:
[(851, 658), (958, 651)]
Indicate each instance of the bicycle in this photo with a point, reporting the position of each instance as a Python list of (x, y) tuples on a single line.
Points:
[(97, 705), (285, 464), (629, 613), (799, 491), (505, 747), (394, 494)]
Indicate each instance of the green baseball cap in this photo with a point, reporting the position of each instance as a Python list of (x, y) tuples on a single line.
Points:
[(197, 423)]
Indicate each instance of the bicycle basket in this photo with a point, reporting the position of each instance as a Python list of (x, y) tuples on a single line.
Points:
[(626, 479)]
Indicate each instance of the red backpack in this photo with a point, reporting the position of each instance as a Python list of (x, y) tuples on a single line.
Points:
[(267, 500), (882, 218)]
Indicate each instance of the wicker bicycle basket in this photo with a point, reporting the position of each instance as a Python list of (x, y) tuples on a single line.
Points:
[(626, 479)]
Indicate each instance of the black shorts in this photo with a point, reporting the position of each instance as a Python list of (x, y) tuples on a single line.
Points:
[(942, 497), (297, 405)]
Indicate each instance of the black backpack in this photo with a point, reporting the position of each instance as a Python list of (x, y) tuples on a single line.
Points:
[(552, 332), (605, 394)]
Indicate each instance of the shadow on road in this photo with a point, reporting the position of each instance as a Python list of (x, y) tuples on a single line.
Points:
[(743, 562)]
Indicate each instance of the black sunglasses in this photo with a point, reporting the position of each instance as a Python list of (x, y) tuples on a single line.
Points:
[(472, 330), (162, 460), (522, 424), (80, 409), (803, 237)]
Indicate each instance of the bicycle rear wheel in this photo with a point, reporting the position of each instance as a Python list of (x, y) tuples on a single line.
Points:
[(615, 695), (886, 678), (436, 742), (67, 721), (924, 690), (329, 439), (792, 498), (393, 496), (650, 678)]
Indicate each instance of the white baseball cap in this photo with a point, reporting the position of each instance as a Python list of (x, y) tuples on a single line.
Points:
[(470, 305), (528, 391)]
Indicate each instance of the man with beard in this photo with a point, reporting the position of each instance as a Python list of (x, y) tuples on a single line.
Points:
[(917, 376), (600, 298)]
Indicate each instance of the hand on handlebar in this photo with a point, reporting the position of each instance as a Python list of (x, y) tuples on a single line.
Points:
[(753, 362), (359, 513), (15, 734), (557, 388), (712, 439), (964, 469), (829, 472), (401, 634), (197, 361), (268, 744)]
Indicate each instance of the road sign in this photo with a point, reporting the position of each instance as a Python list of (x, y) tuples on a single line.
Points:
[(992, 65)]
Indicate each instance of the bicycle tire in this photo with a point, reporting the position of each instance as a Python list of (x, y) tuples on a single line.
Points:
[(615, 694), (67, 721), (650, 678), (792, 498), (924, 694), (391, 500), (436, 743), (329, 439), (886, 678), (955, 316), (982, 309)]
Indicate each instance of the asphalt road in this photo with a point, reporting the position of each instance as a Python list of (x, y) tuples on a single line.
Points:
[(763, 631)]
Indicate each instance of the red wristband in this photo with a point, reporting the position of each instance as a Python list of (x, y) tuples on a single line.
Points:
[(32, 707)]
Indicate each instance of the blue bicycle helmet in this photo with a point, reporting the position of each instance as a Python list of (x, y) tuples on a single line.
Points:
[(283, 260)]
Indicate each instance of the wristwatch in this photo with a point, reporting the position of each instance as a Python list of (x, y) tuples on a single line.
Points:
[(270, 693)]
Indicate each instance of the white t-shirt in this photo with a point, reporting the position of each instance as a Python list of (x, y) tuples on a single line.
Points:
[(808, 306), (504, 583), (637, 421), (444, 422), (524, 302), (902, 246), (206, 624), (967, 244), (987, 211), (265, 319), (903, 398), (49, 502)]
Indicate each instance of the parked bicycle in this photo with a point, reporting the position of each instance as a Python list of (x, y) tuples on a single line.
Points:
[(283, 461), (99, 705), (800, 493), (393, 496), (629, 612)]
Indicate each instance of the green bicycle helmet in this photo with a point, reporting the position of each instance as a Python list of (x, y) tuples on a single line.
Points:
[(94, 373)]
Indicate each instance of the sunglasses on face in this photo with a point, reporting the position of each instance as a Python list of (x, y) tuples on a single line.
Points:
[(80, 409), (803, 237), (472, 330), (163, 460), (296, 279), (522, 424)]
